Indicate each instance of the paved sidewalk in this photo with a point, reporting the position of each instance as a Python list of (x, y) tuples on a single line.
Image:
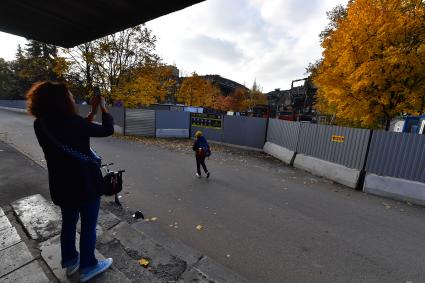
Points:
[(19, 176), (121, 237), (17, 264)]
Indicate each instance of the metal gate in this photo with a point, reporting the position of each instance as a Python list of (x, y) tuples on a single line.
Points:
[(140, 122)]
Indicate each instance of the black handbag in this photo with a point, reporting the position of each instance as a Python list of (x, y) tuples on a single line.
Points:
[(112, 183), (112, 180)]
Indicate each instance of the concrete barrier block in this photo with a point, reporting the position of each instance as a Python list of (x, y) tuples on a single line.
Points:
[(395, 188), (279, 152), (118, 130), (336, 172)]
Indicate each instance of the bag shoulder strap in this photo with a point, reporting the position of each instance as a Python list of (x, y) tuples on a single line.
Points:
[(69, 150)]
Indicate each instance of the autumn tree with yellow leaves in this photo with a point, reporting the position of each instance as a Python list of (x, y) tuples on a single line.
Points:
[(195, 91), (145, 85), (373, 66)]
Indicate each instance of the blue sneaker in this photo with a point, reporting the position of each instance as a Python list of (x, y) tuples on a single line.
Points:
[(101, 266), (70, 270)]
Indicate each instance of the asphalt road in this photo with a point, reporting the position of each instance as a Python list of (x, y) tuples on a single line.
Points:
[(264, 220)]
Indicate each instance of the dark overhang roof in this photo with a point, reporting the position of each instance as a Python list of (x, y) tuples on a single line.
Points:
[(68, 23)]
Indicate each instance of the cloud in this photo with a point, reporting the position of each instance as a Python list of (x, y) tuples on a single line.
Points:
[(216, 48), (272, 41), (9, 45)]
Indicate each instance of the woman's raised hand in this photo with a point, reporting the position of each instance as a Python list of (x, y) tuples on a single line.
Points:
[(94, 102), (102, 104)]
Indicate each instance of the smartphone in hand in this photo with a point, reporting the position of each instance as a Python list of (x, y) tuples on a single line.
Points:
[(96, 91)]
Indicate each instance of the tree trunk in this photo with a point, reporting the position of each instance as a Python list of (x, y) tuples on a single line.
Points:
[(387, 124), (89, 79)]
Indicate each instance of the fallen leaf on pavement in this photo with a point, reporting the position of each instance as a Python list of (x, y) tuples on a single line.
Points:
[(387, 206), (143, 262)]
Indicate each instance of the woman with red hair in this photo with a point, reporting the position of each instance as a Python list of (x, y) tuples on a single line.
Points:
[(74, 185)]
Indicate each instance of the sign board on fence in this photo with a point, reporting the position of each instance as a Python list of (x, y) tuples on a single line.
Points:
[(338, 138), (206, 120)]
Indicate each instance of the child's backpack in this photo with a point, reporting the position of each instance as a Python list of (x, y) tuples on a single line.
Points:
[(207, 151)]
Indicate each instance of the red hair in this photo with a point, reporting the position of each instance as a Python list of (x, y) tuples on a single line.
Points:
[(46, 99)]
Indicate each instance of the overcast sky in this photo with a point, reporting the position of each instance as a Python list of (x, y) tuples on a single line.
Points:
[(271, 41)]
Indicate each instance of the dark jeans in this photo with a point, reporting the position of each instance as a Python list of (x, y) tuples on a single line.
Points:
[(89, 212), (201, 161)]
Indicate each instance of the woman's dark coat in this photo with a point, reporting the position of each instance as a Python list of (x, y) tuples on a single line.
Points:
[(72, 181)]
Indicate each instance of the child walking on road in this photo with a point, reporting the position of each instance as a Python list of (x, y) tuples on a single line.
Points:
[(202, 150)]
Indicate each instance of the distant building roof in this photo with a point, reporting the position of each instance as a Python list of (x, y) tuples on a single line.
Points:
[(227, 86)]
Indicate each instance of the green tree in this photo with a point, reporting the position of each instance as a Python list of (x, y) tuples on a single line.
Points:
[(7, 80)]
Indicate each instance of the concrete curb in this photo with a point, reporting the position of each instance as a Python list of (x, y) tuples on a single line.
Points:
[(336, 172), (279, 152), (207, 270), (395, 188), (234, 145), (14, 109), (200, 268)]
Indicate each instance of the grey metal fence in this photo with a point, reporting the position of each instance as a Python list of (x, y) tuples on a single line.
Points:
[(244, 131), (140, 122), (172, 123), (399, 155), (283, 133), (345, 146), (21, 104), (118, 114)]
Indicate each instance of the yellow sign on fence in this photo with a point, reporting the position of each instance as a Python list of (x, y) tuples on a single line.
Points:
[(3, 136), (338, 138)]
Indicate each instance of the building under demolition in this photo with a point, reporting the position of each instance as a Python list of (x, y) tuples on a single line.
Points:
[(294, 104)]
